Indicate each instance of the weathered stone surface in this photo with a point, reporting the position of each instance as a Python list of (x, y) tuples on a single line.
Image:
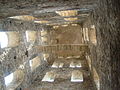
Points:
[(2, 82), (108, 26), (105, 55), (62, 47), (101, 44)]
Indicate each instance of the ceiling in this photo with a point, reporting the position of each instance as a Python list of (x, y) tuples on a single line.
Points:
[(47, 12)]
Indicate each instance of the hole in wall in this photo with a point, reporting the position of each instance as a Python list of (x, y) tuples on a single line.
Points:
[(26, 53), (20, 88), (15, 57)]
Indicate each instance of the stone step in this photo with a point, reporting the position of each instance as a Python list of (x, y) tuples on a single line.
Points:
[(71, 64), (77, 76), (57, 64), (49, 77), (75, 64)]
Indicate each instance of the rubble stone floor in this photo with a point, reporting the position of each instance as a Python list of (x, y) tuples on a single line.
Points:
[(63, 78)]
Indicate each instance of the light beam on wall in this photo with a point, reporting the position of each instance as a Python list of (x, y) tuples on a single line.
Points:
[(55, 27), (42, 22), (74, 24), (64, 25), (71, 19), (30, 62), (8, 79), (24, 17), (31, 36), (93, 26), (3, 39), (27, 37), (67, 13), (34, 63)]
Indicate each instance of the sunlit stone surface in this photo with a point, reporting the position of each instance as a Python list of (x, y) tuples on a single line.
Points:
[(3, 39), (57, 65), (77, 76), (8, 79), (23, 17), (44, 41), (67, 13), (49, 77), (75, 64)]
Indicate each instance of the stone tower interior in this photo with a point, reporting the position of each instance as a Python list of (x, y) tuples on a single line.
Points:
[(59, 44)]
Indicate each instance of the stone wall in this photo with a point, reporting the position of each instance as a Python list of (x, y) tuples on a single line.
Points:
[(12, 57), (108, 31), (67, 34), (106, 54)]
